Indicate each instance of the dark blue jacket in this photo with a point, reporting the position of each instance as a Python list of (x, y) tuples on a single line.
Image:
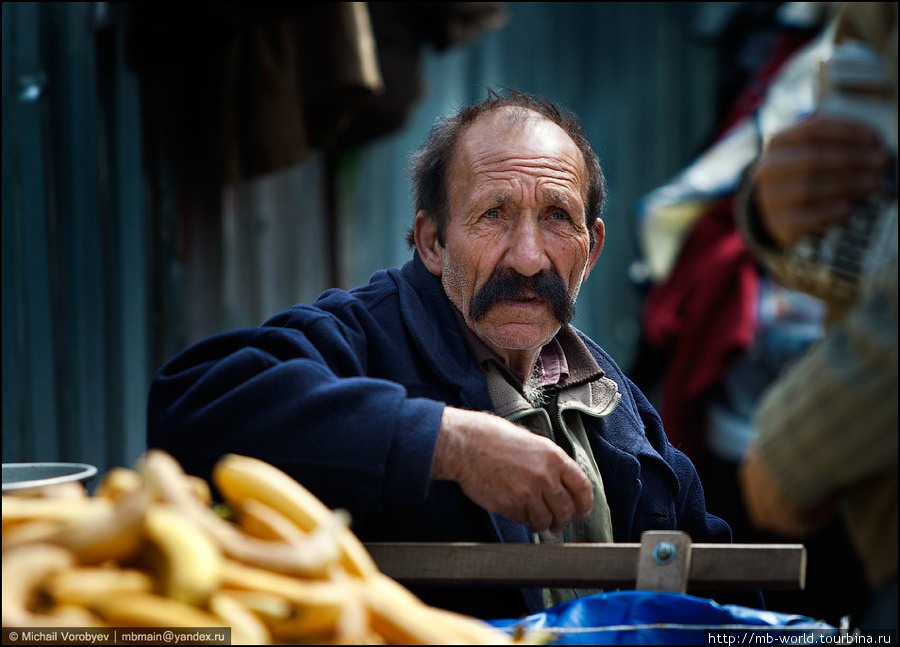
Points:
[(346, 395)]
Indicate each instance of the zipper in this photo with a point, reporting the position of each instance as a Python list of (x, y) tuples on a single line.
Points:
[(572, 406), (530, 412), (582, 409), (567, 532)]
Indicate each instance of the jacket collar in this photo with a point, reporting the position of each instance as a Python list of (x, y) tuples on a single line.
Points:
[(432, 326)]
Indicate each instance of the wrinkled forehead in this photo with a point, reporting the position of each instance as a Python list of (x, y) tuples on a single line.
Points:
[(513, 132)]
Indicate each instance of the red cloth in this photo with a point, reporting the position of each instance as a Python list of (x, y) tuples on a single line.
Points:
[(705, 315)]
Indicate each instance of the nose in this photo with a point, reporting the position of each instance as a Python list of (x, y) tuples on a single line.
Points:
[(526, 253)]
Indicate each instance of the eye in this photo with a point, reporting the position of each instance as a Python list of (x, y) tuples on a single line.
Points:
[(559, 214), (492, 214)]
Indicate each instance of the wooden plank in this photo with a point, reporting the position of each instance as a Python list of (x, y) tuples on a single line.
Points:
[(513, 564), (758, 566), (601, 565)]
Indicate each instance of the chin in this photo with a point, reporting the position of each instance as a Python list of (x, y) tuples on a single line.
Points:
[(517, 337)]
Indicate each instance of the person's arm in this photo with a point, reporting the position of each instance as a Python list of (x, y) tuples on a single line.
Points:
[(819, 423), (509, 470), (831, 421), (297, 396)]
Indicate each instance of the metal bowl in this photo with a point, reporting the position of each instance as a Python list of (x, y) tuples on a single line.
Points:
[(20, 476)]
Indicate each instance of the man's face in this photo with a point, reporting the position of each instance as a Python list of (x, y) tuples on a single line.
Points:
[(517, 248)]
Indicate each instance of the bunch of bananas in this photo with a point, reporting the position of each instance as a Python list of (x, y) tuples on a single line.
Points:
[(150, 549)]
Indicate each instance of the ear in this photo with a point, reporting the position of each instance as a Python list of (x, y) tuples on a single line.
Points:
[(430, 251), (599, 237)]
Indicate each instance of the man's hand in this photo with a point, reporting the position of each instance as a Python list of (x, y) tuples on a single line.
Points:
[(509, 470), (812, 172), (771, 508)]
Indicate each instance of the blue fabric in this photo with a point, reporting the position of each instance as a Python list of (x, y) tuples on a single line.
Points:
[(652, 618), (346, 395)]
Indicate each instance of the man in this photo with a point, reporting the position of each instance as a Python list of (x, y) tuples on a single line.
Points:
[(450, 399), (828, 428)]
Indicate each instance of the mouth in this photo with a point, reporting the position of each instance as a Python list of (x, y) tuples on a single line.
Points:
[(529, 304), (526, 299), (529, 294)]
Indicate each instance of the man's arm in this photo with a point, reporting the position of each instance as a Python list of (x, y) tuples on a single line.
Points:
[(509, 470), (819, 414), (298, 399), (831, 421)]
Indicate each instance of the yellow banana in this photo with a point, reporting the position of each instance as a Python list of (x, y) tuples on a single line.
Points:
[(18, 509), (116, 536), (353, 626), (316, 623), (310, 559), (301, 553), (144, 609), (236, 575), (239, 478), (189, 563), (472, 631), (289, 569), (81, 585), (263, 521), (24, 570), (96, 529), (330, 617), (200, 489), (31, 532), (170, 484), (315, 606), (68, 615), (246, 627), (402, 619), (68, 490), (268, 606), (116, 482), (167, 481)]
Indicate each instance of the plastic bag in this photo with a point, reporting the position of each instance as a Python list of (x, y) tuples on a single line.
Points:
[(656, 618)]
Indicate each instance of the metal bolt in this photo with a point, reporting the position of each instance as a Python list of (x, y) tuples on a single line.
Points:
[(664, 552)]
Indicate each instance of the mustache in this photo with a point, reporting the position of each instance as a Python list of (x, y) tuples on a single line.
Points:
[(506, 284)]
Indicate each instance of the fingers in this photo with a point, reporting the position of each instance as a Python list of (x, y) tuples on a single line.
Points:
[(551, 507), (812, 173), (771, 508), (823, 129), (555, 513), (550, 485), (579, 486), (509, 470)]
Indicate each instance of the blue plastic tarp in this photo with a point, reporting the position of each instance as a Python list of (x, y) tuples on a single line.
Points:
[(655, 618)]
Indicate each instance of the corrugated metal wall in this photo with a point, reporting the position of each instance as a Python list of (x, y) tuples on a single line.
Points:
[(75, 308), (82, 331)]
